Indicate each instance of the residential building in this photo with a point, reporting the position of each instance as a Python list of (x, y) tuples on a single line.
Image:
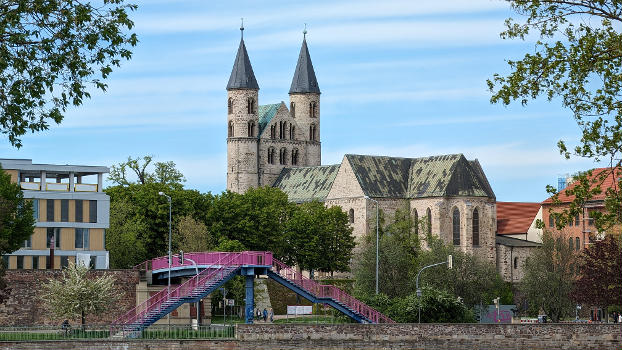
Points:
[(71, 210), (519, 220)]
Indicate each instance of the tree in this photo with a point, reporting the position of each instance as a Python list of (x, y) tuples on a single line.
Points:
[(125, 239), (77, 295), (549, 276), (17, 221), (192, 235), (164, 173), (600, 274), (577, 58), (50, 51)]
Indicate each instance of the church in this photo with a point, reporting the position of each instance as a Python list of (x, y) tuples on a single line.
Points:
[(279, 145)]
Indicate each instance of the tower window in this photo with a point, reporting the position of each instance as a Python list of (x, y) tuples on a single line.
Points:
[(283, 156), (272, 131), (515, 263), (231, 129), (312, 132), (250, 105), (475, 227), (271, 155), (251, 128), (282, 129), (456, 226), (313, 109), (230, 106), (292, 109), (351, 216), (294, 157), (416, 220), (292, 132)]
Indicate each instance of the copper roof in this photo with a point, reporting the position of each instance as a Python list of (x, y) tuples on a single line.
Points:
[(515, 217)]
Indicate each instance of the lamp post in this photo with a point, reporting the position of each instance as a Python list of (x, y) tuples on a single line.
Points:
[(168, 287), (377, 225), (449, 262)]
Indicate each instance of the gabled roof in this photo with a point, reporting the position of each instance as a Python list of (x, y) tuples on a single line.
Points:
[(242, 76), (515, 242), (515, 217), (437, 176), (266, 113), (307, 183), (611, 178), (304, 80)]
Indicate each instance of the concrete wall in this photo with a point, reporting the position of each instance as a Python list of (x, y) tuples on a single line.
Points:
[(377, 337)]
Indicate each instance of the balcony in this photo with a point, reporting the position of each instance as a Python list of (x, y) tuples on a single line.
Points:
[(58, 187)]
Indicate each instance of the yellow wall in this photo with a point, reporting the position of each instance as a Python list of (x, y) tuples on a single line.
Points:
[(72, 210), (96, 236), (39, 238), (57, 210), (85, 211), (13, 174), (67, 238), (43, 209)]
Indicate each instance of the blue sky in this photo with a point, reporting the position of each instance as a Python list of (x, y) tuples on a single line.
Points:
[(398, 78)]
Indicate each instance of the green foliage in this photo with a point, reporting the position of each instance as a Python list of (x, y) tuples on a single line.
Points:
[(549, 275), (50, 51), (16, 215), (577, 58), (191, 235), (125, 239), (77, 295), (164, 173)]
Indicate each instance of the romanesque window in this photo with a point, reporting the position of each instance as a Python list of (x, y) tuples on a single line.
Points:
[(292, 132), (231, 129), (273, 131), (351, 215), (515, 262), (230, 106), (313, 109), (250, 105), (283, 156), (271, 155), (292, 109), (456, 226), (251, 128), (475, 227), (312, 132), (428, 214), (294, 157), (578, 244), (282, 128), (416, 216)]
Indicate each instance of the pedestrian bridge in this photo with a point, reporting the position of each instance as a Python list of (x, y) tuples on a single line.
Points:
[(216, 268)]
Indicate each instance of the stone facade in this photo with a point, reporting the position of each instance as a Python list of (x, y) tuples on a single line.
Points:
[(511, 262)]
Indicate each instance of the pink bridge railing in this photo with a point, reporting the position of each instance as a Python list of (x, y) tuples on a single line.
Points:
[(222, 260), (213, 258), (328, 291)]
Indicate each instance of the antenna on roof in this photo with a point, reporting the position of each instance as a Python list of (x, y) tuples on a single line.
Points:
[(242, 27), (304, 32)]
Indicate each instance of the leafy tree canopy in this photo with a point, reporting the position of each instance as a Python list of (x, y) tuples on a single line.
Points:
[(17, 221), (163, 172), (50, 51), (578, 58)]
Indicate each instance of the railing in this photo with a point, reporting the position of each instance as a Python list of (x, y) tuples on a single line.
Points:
[(99, 332), (57, 187), (328, 291), (213, 258)]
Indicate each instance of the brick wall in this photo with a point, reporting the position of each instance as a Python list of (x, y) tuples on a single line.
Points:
[(23, 306)]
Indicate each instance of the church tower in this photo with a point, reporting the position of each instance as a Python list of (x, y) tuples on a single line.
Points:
[(304, 105), (242, 124)]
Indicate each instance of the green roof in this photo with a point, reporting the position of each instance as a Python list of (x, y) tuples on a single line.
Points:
[(266, 113), (308, 183)]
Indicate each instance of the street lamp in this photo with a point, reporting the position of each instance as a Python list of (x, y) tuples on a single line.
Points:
[(168, 287), (377, 223), (449, 262)]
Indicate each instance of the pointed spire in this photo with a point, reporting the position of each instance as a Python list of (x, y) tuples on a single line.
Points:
[(304, 80), (242, 76)]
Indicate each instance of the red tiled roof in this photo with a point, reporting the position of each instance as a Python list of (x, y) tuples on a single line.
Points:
[(606, 183), (515, 217)]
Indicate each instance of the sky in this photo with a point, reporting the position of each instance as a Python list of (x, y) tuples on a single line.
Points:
[(398, 77)]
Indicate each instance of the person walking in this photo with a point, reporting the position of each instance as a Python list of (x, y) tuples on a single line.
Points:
[(271, 315), (265, 315)]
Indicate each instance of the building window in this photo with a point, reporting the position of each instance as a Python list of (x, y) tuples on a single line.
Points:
[(282, 128), (93, 211), (271, 155), (20, 262), (313, 109), (82, 238), (576, 220), (351, 216), (292, 109), (93, 262), (230, 129), (230, 106), (283, 156), (428, 214), (416, 220), (292, 132), (35, 262), (79, 210), (570, 242), (590, 221), (251, 128), (515, 262), (273, 131), (250, 105), (64, 210), (28, 243), (570, 222), (48, 265), (64, 262), (551, 220), (578, 243), (50, 210), (312, 132), (294, 157), (53, 232), (35, 209), (456, 226), (475, 225)]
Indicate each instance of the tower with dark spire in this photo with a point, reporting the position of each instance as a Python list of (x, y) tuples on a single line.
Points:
[(304, 97), (242, 123)]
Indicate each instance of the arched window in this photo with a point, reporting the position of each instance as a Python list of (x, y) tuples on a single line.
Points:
[(515, 262), (282, 128), (578, 244), (428, 214), (456, 226), (271, 155), (230, 106), (292, 132), (292, 109), (294, 157), (231, 129), (251, 128), (312, 132), (475, 227), (351, 216), (313, 109), (576, 220), (273, 131), (416, 219), (570, 243), (250, 105), (283, 156), (551, 220)]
